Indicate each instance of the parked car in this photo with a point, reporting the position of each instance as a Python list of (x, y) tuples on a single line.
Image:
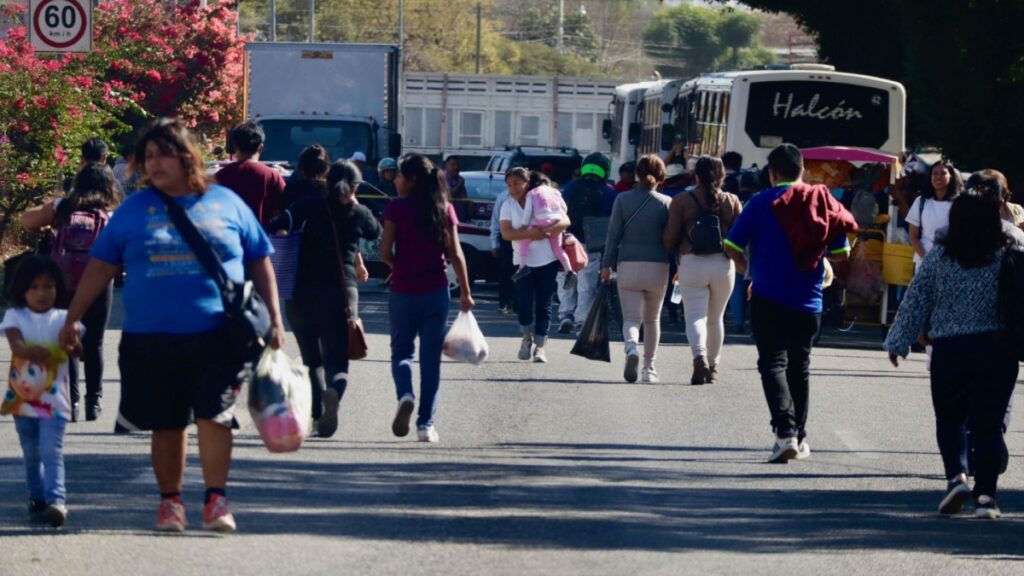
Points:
[(482, 189), (562, 163)]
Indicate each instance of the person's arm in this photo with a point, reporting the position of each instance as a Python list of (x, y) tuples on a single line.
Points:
[(914, 222), (387, 244), (36, 354), (915, 241), (914, 311), (496, 225), (558, 227), (741, 235), (97, 275), (458, 259), (609, 261), (513, 234), (674, 227), (261, 271), (35, 219)]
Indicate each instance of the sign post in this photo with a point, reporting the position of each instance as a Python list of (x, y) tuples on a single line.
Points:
[(60, 25)]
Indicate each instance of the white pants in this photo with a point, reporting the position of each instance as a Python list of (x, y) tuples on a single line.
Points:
[(642, 288), (706, 282), (575, 304)]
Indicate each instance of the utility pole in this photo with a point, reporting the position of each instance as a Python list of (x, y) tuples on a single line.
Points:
[(479, 19), (560, 42), (312, 20), (401, 29), (273, 20)]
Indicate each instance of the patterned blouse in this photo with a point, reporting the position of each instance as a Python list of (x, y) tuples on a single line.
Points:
[(947, 298)]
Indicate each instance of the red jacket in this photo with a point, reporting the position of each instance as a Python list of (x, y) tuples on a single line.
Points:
[(812, 219)]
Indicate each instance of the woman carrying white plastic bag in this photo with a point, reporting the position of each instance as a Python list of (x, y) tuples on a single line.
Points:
[(465, 342)]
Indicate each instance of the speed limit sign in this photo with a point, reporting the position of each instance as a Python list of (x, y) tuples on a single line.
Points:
[(60, 25)]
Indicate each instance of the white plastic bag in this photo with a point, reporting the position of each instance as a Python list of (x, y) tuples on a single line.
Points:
[(465, 342), (280, 401)]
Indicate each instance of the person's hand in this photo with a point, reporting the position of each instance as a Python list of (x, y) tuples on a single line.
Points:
[(894, 359), (675, 279), (537, 234), (277, 335), (36, 354), (494, 252), (362, 274), (466, 302), (70, 339), (606, 275), (750, 291)]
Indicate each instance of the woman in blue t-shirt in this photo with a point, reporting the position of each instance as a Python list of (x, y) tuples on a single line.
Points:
[(175, 359)]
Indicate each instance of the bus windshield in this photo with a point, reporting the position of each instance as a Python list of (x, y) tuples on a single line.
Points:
[(809, 114), (286, 139)]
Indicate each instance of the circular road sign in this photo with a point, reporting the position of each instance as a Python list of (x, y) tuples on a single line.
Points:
[(61, 25)]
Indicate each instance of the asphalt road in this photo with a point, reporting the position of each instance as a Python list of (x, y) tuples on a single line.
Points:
[(546, 469)]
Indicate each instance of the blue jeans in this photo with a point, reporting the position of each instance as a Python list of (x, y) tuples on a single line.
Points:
[(426, 316), (533, 297), (738, 302), (42, 442)]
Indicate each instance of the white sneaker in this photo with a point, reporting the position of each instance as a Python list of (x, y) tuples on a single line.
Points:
[(785, 449), (539, 356), (632, 363), (649, 376), (400, 425), (803, 450), (525, 348), (428, 434)]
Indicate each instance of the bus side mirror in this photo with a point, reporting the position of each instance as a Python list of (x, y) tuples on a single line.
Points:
[(606, 129), (634, 133), (395, 145), (668, 136)]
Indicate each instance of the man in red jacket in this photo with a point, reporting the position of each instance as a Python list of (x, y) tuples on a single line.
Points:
[(788, 230)]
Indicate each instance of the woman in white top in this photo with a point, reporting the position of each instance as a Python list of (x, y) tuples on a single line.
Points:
[(930, 211)]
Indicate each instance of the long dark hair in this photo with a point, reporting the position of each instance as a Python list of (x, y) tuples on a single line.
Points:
[(537, 179), (975, 231), (94, 188), (314, 162), (710, 174), (956, 183), (430, 193), (27, 271), (342, 180)]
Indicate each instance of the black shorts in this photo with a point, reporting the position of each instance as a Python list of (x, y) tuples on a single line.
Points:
[(169, 379)]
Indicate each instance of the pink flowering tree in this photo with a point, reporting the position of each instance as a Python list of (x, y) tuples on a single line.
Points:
[(150, 58), (50, 105)]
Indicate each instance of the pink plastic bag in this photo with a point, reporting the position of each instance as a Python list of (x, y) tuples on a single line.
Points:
[(280, 400)]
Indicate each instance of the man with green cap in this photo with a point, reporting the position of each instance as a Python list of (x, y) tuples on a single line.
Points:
[(589, 196)]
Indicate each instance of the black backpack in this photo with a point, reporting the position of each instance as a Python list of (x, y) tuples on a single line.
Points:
[(1011, 287), (706, 237)]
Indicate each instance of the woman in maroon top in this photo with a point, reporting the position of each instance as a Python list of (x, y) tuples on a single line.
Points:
[(420, 228)]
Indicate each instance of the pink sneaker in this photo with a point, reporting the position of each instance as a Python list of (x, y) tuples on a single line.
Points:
[(216, 515), (170, 517)]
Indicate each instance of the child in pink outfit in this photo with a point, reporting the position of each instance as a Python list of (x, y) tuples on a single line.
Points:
[(544, 207)]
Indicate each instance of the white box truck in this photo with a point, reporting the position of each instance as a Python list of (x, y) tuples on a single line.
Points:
[(342, 96)]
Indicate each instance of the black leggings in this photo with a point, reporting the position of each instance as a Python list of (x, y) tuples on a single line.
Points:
[(320, 325), (95, 321)]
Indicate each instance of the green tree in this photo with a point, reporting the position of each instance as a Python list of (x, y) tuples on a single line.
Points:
[(688, 40)]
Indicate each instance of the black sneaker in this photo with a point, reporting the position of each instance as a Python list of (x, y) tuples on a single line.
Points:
[(55, 515), (328, 422), (36, 509), (93, 411), (987, 508), (957, 494)]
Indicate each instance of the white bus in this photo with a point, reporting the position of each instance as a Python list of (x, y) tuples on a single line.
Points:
[(751, 112), (623, 128)]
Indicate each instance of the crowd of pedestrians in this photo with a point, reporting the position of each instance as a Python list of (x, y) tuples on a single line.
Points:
[(705, 230)]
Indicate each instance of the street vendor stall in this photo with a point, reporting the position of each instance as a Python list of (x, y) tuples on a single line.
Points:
[(860, 179)]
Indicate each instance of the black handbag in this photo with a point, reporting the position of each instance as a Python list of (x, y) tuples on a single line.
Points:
[(246, 314)]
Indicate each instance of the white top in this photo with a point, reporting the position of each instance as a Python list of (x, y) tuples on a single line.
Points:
[(934, 216), (540, 250), (37, 390)]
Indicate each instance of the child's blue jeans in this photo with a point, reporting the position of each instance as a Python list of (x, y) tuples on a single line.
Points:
[(42, 441)]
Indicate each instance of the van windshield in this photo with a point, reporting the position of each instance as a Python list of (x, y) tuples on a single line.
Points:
[(286, 139)]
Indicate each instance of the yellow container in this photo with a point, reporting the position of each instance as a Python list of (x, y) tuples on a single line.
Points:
[(897, 264)]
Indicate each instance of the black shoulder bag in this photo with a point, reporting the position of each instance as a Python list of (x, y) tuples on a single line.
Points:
[(246, 315)]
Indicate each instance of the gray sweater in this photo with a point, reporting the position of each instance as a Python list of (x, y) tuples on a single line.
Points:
[(641, 241)]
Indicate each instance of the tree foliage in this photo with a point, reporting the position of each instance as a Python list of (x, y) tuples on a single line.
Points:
[(687, 40), (962, 64)]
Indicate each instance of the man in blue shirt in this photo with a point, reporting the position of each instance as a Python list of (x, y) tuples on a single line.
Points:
[(786, 300)]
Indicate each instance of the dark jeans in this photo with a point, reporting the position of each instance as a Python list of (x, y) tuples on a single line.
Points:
[(95, 321), (533, 300), (784, 337), (317, 318), (972, 380), (738, 303), (506, 288)]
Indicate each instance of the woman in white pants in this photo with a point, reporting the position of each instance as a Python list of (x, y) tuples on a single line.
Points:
[(698, 221), (634, 250)]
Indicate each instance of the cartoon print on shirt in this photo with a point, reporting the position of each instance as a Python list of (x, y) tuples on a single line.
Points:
[(33, 386)]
